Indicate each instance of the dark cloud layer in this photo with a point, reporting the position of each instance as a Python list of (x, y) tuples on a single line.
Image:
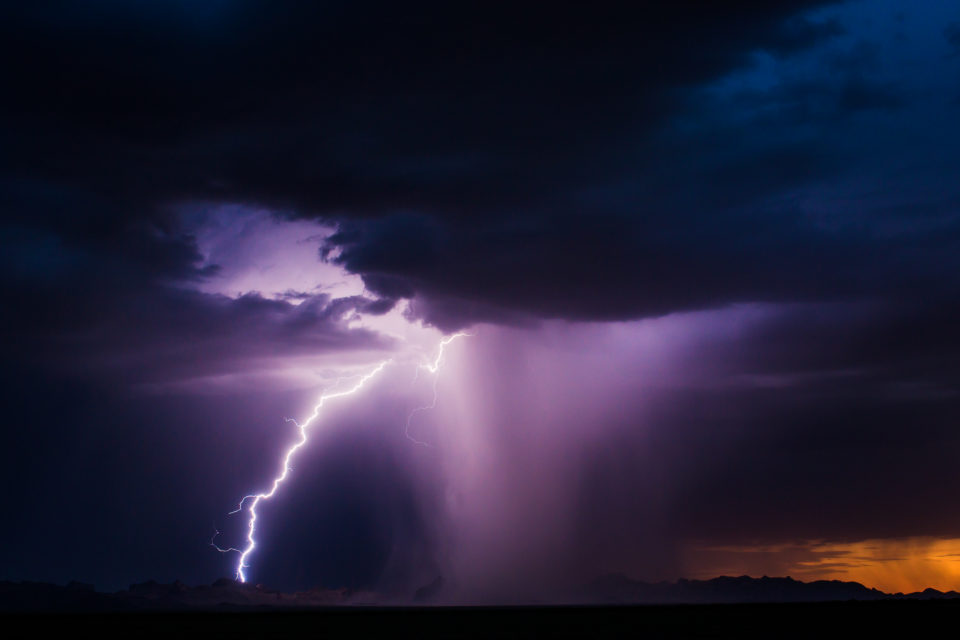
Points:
[(482, 135), (492, 162)]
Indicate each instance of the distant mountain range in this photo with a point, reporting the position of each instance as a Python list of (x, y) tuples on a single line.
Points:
[(614, 589), (618, 589)]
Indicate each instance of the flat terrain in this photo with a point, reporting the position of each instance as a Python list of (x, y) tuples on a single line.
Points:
[(836, 619)]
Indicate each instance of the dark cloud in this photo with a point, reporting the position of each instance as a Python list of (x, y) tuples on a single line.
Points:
[(495, 164), (488, 123), (97, 298)]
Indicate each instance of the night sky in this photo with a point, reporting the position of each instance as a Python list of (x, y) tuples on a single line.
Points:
[(708, 255)]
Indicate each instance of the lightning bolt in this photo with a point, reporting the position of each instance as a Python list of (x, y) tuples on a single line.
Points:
[(213, 544), (433, 368), (256, 498)]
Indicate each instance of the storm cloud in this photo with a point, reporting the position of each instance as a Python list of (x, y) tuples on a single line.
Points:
[(719, 239)]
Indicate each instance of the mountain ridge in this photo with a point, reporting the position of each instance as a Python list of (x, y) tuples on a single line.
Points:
[(609, 589)]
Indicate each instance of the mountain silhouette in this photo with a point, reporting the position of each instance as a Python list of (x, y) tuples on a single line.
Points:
[(612, 589), (618, 589)]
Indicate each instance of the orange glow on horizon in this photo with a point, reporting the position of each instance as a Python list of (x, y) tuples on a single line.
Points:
[(891, 565)]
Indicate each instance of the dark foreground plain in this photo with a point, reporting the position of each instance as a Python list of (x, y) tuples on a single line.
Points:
[(796, 620)]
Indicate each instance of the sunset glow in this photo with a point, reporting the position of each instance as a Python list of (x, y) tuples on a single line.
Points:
[(890, 564)]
